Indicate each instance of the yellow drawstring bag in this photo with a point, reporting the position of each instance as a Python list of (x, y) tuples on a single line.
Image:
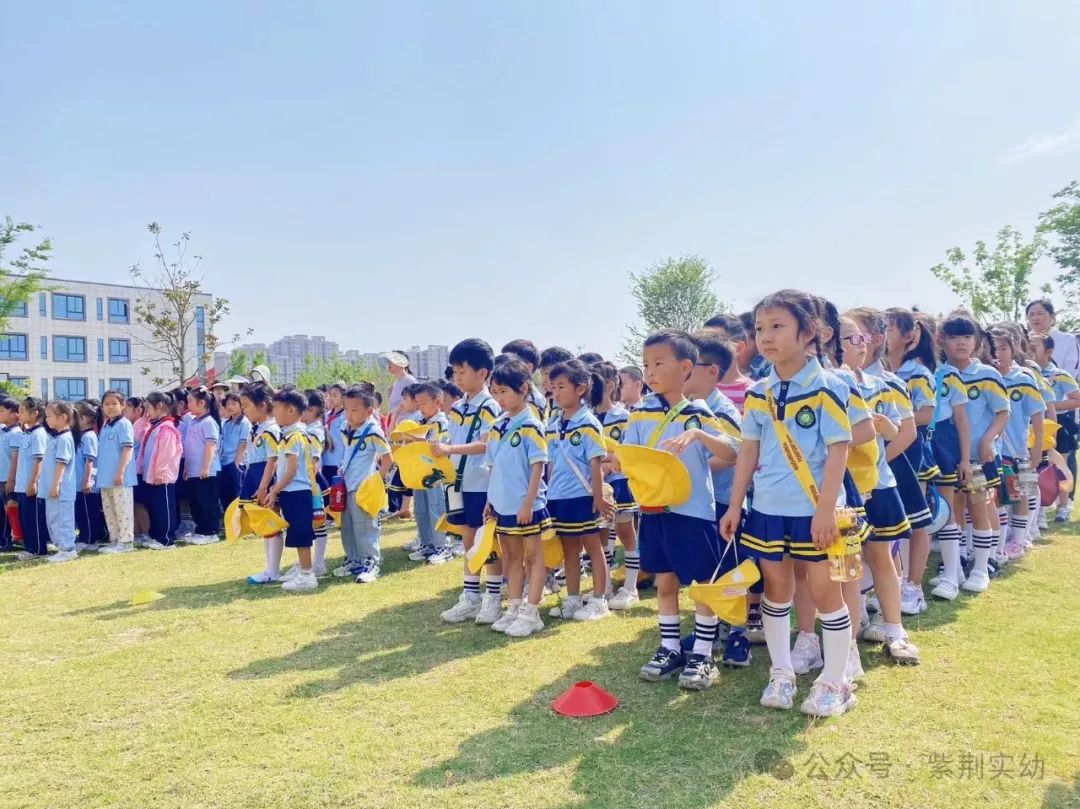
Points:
[(244, 519), (728, 595), (552, 548), (371, 497), (1050, 431), (657, 478), (483, 545), (410, 429), (420, 469)]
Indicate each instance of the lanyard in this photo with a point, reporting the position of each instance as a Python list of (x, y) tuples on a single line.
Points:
[(672, 414), (356, 446), (792, 451)]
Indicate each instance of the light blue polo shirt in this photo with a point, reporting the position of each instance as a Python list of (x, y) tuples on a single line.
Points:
[(115, 435), (86, 451), (573, 444), (317, 433), (183, 424), (363, 448), (536, 400), (1025, 402), (920, 384), (898, 392), (440, 427), (262, 442), (294, 441), (614, 422), (10, 441), (233, 433), (815, 410), (986, 397), (953, 393), (880, 398), (514, 445), (200, 432), (32, 446), (335, 423), (59, 447), (648, 415), (482, 410), (1061, 381), (729, 422)]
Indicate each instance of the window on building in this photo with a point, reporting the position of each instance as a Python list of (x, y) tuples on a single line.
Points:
[(42, 297), (69, 388), (22, 382), (14, 347), (44, 347), (45, 388), (119, 351), (19, 309), (69, 349), (100, 313), (120, 386), (68, 307), (100, 388), (119, 312), (101, 349)]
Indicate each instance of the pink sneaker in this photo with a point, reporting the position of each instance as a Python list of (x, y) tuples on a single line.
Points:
[(1014, 550)]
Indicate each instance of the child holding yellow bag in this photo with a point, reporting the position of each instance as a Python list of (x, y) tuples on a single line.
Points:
[(366, 454)]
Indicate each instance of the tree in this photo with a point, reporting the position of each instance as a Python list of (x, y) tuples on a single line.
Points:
[(239, 365), (997, 285), (674, 295), (170, 311), (21, 276), (327, 372), (1062, 223)]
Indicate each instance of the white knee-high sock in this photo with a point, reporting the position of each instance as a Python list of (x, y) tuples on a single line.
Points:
[(275, 546), (776, 621), (835, 644), (706, 630), (984, 542), (949, 545), (631, 563)]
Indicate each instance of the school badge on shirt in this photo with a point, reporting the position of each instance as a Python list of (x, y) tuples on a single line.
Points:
[(805, 418)]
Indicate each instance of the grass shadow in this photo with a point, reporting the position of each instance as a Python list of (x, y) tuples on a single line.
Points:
[(1060, 796)]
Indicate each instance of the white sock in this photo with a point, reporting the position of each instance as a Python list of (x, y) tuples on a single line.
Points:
[(969, 529), (1033, 517), (631, 564), (320, 549), (835, 644), (706, 630), (494, 585), (472, 586), (949, 545), (275, 546), (894, 631), (905, 557), (669, 632), (776, 621), (984, 543)]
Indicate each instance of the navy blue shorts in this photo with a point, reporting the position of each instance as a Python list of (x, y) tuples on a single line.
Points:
[(471, 512), (992, 470), (886, 515), (508, 524), (771, 538), (946, 446), (921, 456), (907, 486), (320, 481), (330, 472), (250, 480), (574, 516), (298, 510), (140, 494), (397, 485), (689, 547), (624, 498)]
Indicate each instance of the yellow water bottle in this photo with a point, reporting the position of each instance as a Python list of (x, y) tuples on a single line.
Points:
[(845, 553)]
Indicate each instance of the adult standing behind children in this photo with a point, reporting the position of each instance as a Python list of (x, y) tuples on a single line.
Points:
[(397, 363)]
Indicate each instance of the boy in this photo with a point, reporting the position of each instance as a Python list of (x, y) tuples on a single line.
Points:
[(430, 504), (334, 423), (10, 436), (470, 422), (631, 386), (755, 366), (292, 491), (365, 453), (679, 544), (527, 352), (734, 384)]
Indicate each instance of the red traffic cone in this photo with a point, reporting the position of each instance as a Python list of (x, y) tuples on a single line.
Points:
[(584, 699)]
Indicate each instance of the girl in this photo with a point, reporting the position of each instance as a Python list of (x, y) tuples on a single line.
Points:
[(203, 462), (234, 435), (27, 464), (136, 414), (1066, 401), (58, 479), (795, 437), (576, 486), (516, 455), (312, 418), (116, 477), (614, 417), (159, 465), (89, 518), (334, 423), (183, 422), (260, 453), (10, 438)]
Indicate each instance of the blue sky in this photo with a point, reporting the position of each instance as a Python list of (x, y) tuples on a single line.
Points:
[(503, 166)]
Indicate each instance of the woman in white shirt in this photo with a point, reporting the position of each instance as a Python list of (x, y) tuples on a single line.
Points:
[(1042, 320)]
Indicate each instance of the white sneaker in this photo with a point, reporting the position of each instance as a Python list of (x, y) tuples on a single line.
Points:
[(946, 589), (507, 618), (26, 556), (203, 539), (875, 632), (186, 529), (1001, 559), (567, 609), (302, 582), (82, 546), (807, 653), (903, 651), (117, 547), (854, 670), (829, 699), (318, 570), (154, 545), (527, 622), (346, 571), (63, 556), (596, 609), (872, 604), (912, 601), (490, 609), (412, 545), (977, 582), (292, 572), (624, 599), (467, 607), (141, 540), (1044, 524), (780, 692)]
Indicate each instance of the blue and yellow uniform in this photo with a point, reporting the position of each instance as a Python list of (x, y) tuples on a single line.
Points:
[(950, 392), (1025, 402), (31, 445), (614, 422), (515, 445), (919, 382), (729, 423), (261, 446), (537, 402), (471, 419), (295, 500), (331, 458), (986, 398), (884, 507), (573, 444)]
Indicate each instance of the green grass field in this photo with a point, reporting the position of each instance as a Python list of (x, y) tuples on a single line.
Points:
[(223, 695)]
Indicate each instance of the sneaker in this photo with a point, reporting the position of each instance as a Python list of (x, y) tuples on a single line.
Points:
[(807, 653), (903, 652), (117, 547), (490, 609), (854, 670), (203, 539), (737, 650), (946, 589), (367, 571), (26, 556), (63, 556), (1001, 559), (596, 609), (82, 546), (755, 630), (346, 571), (292, 572), (262, 577), (1043, 524), (912, 601), (624, 599), (507, 618), (186, 529), (665, 664), (699, 673), (412, 545), (302, 582), (1014, 549), (829, 699), (780, 692), (457, 549), (467, 606), (1062, 515), (422, 553), (864, 620), (141, 540), (872, 604), (551, 585), (441, 556), (154, 545), (569, 606), (586, 566), (875, 632), (977, 582), (528, 622)]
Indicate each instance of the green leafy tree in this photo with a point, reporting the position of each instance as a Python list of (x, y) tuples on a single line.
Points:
[(1062, 225), (22, 275), (327, 372), (677, 294), (239, 364), (994, 284)]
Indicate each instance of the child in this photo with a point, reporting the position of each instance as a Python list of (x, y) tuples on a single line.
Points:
[(258, 465), (631, 386), (183, 419), (430, 504), (89, 517), (399, 496), (451, 393), (529, 354), (58, 479), (795, 437), (334, 423), (734, 382), (26, 463), (754, 365), (135, 412), (679, 544), (159, 464), (549, 358), (235, 429), (1066, 401), (366, 453), (292, 490), (116, 477), (10, 438), (516, 455), (575, 492), (470, 422), (203, 463), (312, 419)]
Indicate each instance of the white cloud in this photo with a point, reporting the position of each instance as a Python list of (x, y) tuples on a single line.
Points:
[(1035, 146)]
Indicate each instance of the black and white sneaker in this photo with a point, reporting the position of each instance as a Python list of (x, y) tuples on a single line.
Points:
[(665, 664), (699, 673)]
